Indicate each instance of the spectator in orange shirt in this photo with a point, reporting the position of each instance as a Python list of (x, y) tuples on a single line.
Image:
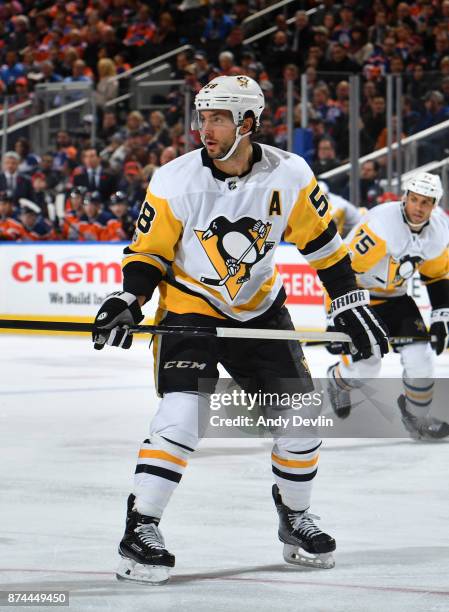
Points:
[(133, 184), (142, 30), (122, 225), (74, 202), (10, 228), (140, 34), (121, 64), (93, 222), (34, 227), (74, 210)]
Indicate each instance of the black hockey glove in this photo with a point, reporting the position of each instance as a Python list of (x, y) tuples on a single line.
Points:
[(117, 313), (439, 327), (334, 347), (352, 315)]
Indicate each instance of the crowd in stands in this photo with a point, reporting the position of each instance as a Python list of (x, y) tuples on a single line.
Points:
[(93, 41)]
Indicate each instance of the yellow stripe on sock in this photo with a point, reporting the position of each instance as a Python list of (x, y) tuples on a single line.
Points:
[(420, 395), (294, 463), (158, 454)]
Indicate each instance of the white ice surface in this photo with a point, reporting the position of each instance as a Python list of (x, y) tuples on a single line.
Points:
[(71, 421)]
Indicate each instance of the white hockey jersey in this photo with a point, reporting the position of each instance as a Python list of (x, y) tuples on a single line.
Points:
[(385, 252), (213, 236)]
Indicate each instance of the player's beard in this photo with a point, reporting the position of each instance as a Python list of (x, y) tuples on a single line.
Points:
[(219, 149)]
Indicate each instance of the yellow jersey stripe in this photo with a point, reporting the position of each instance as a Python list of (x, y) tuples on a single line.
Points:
[(330, 260), (252, 304), (152, 261), (367, 249), (162, 233), (258, 297), (304, 223), (180, 274), (435, 280), (437, 268), (180, 302)]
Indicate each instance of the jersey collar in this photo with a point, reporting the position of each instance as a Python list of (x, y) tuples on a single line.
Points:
[(222, 176)]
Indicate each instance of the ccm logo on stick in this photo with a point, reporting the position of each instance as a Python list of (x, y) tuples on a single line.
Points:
[(193, 365)]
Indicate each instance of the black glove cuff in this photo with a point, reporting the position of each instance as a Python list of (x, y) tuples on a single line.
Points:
[(136, 311)]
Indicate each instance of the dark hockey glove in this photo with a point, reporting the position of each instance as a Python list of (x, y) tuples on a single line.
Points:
[(334, 347), (439, 327), (352, 315), (117, 313)]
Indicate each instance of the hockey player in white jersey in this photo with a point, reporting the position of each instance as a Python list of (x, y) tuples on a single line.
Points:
[(205, 237), (344, 214), (394, 240)]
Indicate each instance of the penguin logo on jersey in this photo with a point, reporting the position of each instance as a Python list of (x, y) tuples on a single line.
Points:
[(405, 268), (233, 248)]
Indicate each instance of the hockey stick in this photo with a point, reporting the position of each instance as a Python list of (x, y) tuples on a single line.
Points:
[(308, 337), (219, 282), (166, 330), (393, 340)]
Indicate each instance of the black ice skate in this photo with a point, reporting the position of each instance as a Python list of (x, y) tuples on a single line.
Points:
[(144, 556), (304, 543), (339, 397), (422, 428)]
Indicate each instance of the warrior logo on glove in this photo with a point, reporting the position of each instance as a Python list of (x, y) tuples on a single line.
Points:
[(352, 315)]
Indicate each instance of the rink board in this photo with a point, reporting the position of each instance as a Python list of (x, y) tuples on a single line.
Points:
[(70, 280)]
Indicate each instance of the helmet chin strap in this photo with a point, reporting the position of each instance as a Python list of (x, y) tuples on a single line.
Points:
[(238, 138)]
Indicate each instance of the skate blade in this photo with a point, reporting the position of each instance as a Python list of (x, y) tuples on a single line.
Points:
[(298, 556), (144, 574), (424, 437)]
